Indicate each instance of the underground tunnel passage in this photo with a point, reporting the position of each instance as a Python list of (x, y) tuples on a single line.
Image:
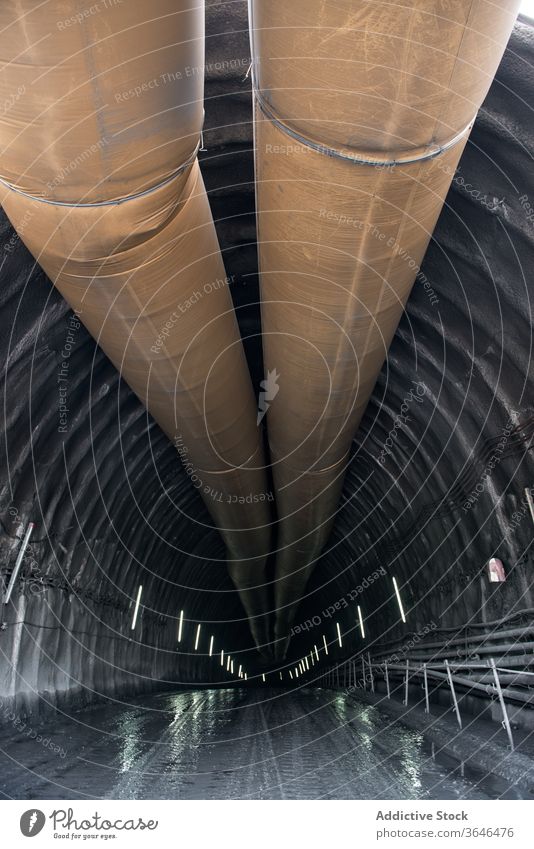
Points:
[(300, 567)]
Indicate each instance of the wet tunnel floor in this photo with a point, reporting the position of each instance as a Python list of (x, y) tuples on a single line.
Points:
[(233, 744)]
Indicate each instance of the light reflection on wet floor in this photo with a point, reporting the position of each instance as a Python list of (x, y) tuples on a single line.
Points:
[(234, 744)]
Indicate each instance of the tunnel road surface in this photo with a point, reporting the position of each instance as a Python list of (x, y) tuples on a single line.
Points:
[(232, 744)]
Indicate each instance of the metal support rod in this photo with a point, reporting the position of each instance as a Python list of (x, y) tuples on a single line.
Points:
[(371, 671), (427, 706), (363, 674), (453, 691), (406, 682), (530, 501), (452, 642), (18, 563), (506, 721), (387, 680)]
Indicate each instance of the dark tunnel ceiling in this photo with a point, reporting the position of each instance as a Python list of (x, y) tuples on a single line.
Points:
[(109, 497)]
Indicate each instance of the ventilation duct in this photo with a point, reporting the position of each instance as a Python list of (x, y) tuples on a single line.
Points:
[(362, 112), (103, 109)]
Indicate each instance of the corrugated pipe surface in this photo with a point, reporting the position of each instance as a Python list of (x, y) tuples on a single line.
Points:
[(99, 134), (362, 112)]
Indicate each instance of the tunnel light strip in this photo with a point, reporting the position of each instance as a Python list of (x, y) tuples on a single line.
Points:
[(137, 603), (232, 667), (281, 677), (246, 677), (296, 672), (360, 617), (211, 647), (180, 626), (339, 635), (228, 663), (311, 658), (197, 638), (263, 676), (316, 651), (18, 562), (325, 645), (397, 593), (290, 674), (222, 657), (306, 662), (240, 671)]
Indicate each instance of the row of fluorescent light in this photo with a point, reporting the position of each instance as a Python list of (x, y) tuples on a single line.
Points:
[(302, 667), (226, 661), (230, 663)]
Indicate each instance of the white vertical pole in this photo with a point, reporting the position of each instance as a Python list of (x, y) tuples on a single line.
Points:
[(406, 682), (371, 671), (427, 705), (530, 501), (18, 562), (453, 691), (506, 721)]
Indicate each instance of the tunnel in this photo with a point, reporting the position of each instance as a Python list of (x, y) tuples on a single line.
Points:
[(128, 666)]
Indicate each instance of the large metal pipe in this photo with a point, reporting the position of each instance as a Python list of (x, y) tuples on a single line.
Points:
[(362, 112), (103, 110)]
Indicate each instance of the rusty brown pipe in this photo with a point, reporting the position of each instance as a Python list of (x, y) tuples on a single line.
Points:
[(104, 109), (362, 112)]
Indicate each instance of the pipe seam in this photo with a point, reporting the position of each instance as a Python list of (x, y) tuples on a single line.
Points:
[(312, 470), (357, 159), (118, 201), (242, 466)]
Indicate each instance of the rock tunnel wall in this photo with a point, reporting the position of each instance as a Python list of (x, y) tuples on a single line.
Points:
[(435, 486)]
